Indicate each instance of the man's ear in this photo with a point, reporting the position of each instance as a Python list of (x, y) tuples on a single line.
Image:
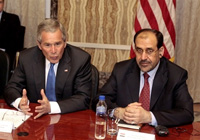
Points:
[(39, 45), (161, 51), (65, 44)]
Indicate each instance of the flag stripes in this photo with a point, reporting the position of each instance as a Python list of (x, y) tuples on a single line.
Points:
[(159, 15)]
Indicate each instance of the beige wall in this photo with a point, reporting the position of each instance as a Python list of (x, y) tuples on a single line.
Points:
[(31, 13), (102, 22)]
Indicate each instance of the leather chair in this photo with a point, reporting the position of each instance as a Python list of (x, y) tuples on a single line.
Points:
[(95, 83), (4, 71), (18, 47), (20, 38)]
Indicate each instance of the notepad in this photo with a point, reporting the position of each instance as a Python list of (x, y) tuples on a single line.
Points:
[(16, 117), (122, 123)]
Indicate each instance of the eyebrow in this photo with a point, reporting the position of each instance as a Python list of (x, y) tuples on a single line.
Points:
[(141, 48)]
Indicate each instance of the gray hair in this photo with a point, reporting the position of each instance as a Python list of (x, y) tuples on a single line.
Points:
[(50, 25)]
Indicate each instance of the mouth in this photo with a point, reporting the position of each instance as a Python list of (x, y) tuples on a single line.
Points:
[(144, 64), (54, 57)]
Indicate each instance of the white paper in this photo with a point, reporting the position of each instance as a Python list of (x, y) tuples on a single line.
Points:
[(132, 135), (16, 117), (6, 126)]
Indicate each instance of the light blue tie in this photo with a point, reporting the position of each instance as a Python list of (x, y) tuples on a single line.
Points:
[(50, 87)]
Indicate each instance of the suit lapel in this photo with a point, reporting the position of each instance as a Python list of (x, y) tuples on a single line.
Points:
[(63, 71), (133, 80), (159, 82), (39, 71)]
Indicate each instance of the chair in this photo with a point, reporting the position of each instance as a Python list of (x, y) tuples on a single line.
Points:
[(4, 71), (18, 47), (20, 37), (95, 83)]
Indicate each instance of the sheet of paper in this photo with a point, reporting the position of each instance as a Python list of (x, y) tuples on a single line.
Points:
[(6, 126), (130, 135), (16, 117)]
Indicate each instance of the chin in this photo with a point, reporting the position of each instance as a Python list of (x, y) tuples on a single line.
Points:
[(145, 69), (54, 61)]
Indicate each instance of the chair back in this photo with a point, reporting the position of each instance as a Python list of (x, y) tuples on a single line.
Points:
[(95, 83), (20, 37), (4, 70)]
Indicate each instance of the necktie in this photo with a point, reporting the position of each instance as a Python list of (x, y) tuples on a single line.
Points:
[(145, 94), (50, 87)]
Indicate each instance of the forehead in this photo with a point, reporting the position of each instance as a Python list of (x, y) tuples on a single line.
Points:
[(53, 34), (146, 37)]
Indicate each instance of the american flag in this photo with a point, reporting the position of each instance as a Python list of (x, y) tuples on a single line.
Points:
[(159, 15)]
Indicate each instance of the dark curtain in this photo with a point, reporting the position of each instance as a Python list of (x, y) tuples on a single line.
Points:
[(54, 8)]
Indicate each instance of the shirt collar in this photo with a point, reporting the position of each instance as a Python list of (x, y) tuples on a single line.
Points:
[(152, 72), (48, 63)]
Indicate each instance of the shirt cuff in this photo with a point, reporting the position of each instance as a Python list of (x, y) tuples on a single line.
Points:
[(55, 108), (16, 103), (153, 120)]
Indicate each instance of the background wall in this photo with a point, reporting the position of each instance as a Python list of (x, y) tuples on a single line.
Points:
[(31, 13), (102, 22), (105, 26)]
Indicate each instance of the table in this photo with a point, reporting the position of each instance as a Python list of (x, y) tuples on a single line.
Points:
[(80, 126)]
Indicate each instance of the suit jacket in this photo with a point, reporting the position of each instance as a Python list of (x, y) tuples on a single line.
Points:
[(73, 78), (170, 101), (9, 32)]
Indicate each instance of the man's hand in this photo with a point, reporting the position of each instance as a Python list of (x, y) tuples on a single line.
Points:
[(135, 113), (44, 108), (119, 113), (23, 104)]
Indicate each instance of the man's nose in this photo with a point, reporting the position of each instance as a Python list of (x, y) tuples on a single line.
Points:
[(53, 48), (144, 55)]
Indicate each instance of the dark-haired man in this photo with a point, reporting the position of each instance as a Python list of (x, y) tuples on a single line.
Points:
[(162, 98)]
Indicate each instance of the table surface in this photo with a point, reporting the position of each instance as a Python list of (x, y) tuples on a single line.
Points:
[(80, 126)]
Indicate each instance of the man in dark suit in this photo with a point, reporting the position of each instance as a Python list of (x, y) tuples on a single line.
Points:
[(170, 102), (72, 68), (9, 26)]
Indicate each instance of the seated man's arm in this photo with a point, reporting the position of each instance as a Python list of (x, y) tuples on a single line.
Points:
[(81, 88), (15, 86), (178, 109)]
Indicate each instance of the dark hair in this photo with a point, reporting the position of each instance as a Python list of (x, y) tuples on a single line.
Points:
[(157, 33)]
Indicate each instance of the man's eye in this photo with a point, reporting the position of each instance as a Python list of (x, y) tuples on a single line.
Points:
[(139, 50), (47, 45), (57, 44), (149, 51)]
